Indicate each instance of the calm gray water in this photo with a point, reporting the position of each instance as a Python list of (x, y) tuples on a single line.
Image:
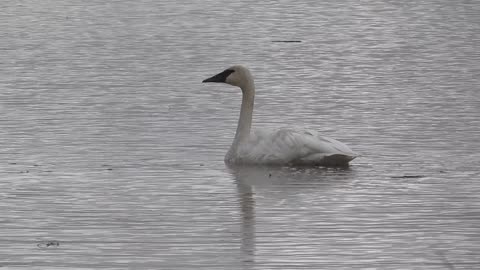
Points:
[(112, 150)]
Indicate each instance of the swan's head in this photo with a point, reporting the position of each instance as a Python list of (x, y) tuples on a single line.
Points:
[(236, 75)]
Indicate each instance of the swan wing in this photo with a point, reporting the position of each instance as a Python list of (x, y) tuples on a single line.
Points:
[(293, 146)]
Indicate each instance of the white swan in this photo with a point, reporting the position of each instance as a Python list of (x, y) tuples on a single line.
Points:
[(284, 146)]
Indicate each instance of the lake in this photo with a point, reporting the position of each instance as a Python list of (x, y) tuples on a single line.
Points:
[(112, 148)]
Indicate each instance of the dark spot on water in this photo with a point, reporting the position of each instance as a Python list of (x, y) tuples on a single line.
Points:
[(201, 164), (47, 244), (106, 165), (408, 176), (269, 175), (287, 41), (12, 163)]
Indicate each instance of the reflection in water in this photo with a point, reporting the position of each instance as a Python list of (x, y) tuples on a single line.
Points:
[(261, 181), (247, 206), (286, 178)]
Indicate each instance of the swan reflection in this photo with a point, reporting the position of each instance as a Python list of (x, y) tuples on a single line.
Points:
[(264, 191)]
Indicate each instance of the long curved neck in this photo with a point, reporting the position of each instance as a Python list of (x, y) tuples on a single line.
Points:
[(246, 111)]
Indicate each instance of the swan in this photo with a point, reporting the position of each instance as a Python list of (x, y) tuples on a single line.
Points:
[(283, 146)]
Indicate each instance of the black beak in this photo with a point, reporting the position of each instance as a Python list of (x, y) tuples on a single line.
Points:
[(220, 77)]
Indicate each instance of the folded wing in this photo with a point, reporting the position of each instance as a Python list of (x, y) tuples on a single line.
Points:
[(294, 146)]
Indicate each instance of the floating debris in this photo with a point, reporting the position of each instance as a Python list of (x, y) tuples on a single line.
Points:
[(408, 176), (106, 165), (287, 41), (48, 244)]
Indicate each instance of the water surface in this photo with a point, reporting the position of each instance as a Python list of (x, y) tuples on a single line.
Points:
[(113, 147)]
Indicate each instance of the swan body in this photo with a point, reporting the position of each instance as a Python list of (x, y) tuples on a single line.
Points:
[(284, 146)]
